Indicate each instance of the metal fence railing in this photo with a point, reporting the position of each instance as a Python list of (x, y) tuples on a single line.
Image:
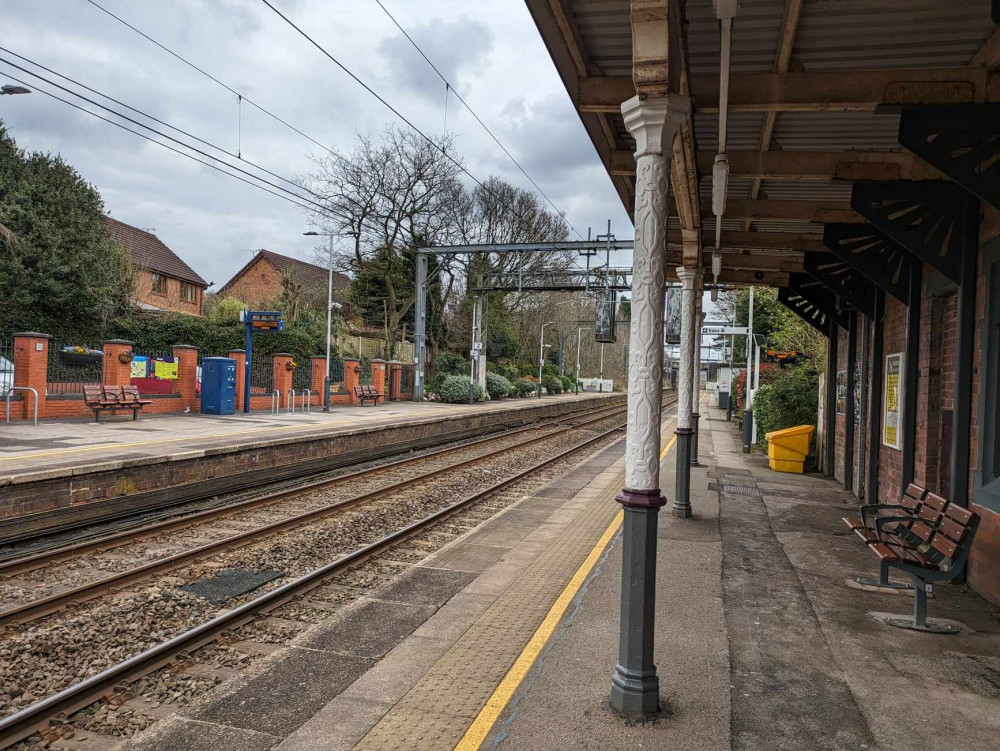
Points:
[(337, 376), (154, 372), (302, 375), (6, 366), (362, 346), (405, 383), (365, 375), (72, 368), (261, 376)]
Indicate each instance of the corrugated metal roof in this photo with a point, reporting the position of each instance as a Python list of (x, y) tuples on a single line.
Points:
[(800, 227), (806, 190), (844, 35), (835, 131), (607, 31), (755, 37), (743, 130)]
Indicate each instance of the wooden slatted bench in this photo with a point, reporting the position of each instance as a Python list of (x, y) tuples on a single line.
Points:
[(925, 537), (367, 394), (112, 399)]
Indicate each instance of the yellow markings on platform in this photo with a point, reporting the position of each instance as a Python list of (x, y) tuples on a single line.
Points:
[(495, 705)]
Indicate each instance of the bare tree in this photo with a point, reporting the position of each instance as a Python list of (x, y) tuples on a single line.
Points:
[(382, 200)]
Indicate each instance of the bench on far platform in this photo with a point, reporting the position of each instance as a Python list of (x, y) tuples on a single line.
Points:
[(112, 399), (367, 394), (925, 537)]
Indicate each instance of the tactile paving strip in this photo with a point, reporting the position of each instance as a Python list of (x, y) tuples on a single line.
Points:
[(436, 712)]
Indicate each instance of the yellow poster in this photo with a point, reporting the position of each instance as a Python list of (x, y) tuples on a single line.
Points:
[(891, 415), (165, 369)]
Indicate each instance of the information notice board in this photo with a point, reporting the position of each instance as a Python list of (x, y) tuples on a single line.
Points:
[(891, 403)]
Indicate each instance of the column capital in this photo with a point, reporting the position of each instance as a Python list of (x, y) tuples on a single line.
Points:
[(690, 276), (653, 122)]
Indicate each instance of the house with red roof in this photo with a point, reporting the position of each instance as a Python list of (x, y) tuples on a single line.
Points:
[(269, 276)]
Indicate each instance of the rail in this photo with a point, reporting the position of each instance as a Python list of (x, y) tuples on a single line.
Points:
[(11, 391), (36, 717)]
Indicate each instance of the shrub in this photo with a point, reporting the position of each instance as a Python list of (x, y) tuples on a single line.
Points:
[(567, 383), (450, 364), (510, 372), (455, 390), (525, 386), (550, 369), (552, 384), (789, 399), (497, 386)]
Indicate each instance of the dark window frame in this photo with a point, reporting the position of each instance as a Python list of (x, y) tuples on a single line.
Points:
[(986, 477), (187, 287), (158, 283)]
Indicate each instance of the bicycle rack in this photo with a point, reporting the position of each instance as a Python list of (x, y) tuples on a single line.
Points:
[(10, 393)]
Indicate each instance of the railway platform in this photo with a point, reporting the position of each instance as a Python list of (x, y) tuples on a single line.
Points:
[(506, 638), (58, 468)]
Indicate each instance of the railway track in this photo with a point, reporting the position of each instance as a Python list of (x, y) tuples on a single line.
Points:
[(36, 717), (14, 561), (152, 505), (77, 595)]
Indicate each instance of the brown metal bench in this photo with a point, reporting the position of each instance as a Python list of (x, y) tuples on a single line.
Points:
[(112, 399), (925, 537), (367, 394)]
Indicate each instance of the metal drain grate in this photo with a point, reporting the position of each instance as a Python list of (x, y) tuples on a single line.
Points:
[(231, 582), (740, 490)]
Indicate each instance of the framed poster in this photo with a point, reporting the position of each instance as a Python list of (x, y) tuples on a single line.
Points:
[(841, 392), (858, 375), (604, 317), (891, 400)]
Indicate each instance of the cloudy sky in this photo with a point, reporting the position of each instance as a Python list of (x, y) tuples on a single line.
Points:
[(489, 50)]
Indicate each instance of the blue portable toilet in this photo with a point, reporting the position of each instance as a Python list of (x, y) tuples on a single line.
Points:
[(218, 386)]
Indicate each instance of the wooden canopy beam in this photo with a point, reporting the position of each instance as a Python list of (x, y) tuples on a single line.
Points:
[(750, 241), (804, 165), (786, 210), (860, 91)]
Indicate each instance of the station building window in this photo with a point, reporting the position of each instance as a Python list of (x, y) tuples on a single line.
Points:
[(987, 478)]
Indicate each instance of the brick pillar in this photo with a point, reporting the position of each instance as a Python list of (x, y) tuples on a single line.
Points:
[(352, 375), (282, 376), (317, 375), (240, 355), (187, 374), (395, 376), (31, 370), (116, 372), (378, 376)]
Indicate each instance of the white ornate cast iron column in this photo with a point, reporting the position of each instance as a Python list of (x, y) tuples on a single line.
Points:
[(653, 122), (686, 393)]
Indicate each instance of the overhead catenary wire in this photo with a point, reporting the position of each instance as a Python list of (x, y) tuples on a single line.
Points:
[(448, 86), (389, 106), (315, 206), (40, 90), (242, 97)]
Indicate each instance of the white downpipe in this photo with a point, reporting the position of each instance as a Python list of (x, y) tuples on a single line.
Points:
[(720, 170)]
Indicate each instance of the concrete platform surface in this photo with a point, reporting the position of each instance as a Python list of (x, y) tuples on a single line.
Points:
[(507, 638), (52, 448)]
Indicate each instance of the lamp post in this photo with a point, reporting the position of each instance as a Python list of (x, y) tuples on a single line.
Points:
[(541, 357), (330, 305), (9, 89)]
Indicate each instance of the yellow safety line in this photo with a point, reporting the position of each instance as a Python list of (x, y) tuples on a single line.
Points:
[(495, 705)]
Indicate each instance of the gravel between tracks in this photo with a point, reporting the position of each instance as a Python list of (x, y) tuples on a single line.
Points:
[(40, 658)]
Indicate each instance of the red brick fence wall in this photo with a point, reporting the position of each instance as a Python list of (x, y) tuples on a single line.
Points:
[(31, 362)]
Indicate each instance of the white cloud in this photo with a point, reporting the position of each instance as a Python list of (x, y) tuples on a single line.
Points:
[(490, 51)]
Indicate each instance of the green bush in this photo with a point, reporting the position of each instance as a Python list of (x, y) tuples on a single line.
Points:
[(789, 399), (552, 384), (525, 386), (550, 370), (510, 371), (497, 386), (450, 364), (455, 390), (567, 383)]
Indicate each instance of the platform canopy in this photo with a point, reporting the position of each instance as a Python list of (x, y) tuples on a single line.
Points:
[(816, 94)]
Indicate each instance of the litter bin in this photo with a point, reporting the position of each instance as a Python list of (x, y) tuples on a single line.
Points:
[(723, 400), (787, 449)]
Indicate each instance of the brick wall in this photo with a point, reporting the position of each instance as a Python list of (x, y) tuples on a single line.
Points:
[(890, 459), (171, 298), (984, 558), (257, 286), (841, 435)]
